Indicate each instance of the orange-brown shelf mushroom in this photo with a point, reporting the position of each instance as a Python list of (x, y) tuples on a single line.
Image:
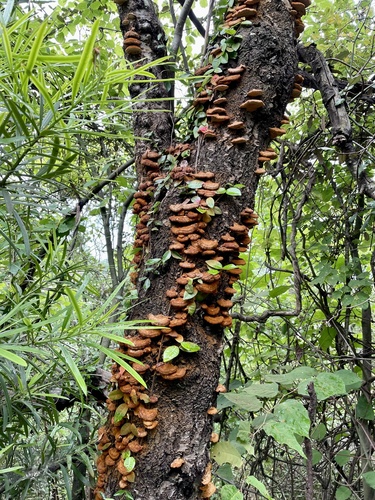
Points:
[(237, 125), (252, 105), (239, 140), (255, 93), (276, 132)]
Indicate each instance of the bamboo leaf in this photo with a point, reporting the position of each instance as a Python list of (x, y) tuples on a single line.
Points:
[(116, 357), (5, 15), (75, 305), (4, 353), (7, 49), (74, 369), (86, 59)]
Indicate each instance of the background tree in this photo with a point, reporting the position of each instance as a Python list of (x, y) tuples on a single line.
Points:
[(297, 353)]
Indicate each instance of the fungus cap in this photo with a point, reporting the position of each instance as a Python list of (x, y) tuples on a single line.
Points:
[(180, 373), (239, 140), (237, 125), (255, 93), (133, 50), (237, 70), (252, 105)]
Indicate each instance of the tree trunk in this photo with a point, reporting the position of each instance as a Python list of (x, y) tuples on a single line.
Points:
[(268, 55)]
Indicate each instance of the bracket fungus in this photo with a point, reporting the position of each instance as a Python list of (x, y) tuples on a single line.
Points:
[(239, 140), (237, 70), (237, 125), (276, 132), (252, 105), (255, 93)]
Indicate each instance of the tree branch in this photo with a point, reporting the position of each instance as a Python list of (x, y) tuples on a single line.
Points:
[(194, 20), (336, 108), (186, 8), (112, 176)]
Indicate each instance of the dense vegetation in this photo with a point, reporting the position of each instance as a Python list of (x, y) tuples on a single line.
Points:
[(297, 361)]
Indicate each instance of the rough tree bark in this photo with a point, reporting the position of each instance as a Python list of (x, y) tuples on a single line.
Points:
[(173, 457)]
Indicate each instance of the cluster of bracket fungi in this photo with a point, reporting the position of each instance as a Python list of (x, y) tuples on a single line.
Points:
[(133, 408), (189, 223), (244, 10)]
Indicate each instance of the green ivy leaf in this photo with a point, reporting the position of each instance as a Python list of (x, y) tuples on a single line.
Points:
[(190, 347), (214, 264), (116, 395), (191, 308), (120, 413), (166, 256), (195, 184), (170, 353), (129, 463), (232, 191), (210, 202)]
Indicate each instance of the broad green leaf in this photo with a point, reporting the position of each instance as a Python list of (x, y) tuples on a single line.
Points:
[(224, 452), (301, 372), (230, 492), (343, 493), (170, 353), (283, 434), (210, 202), (364, 409), (253, 481), (195, 184), (342, 457), (326, 385), (295, 415), (350, 379), (278, 290), (290, 419), (316, 457), (269, 390), (369, 477), (327, 337), (225, 472), (319, 432), (243, 400)]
